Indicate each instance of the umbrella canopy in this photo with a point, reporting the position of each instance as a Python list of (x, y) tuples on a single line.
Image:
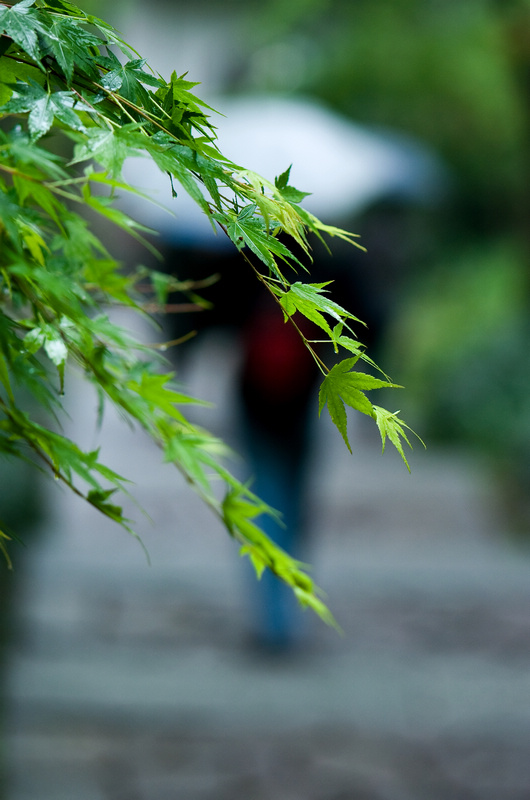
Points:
[(346, 167)]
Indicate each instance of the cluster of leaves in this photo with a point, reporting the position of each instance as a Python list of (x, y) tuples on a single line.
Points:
[(61, 82)]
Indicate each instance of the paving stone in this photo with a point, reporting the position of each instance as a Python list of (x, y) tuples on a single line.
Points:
[(136, 682)]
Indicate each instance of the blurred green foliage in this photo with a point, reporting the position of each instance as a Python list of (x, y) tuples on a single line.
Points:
[(451, 72), (456, 74)]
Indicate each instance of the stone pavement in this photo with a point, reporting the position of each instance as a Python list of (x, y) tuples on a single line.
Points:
[(135, 682)]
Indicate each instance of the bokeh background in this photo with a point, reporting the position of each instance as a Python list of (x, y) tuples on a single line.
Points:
[(455, 76), (128, 681)]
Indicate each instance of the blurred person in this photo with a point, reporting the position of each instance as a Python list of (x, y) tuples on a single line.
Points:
[(355, 175)]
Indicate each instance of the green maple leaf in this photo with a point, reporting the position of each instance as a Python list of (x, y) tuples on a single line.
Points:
[(177, 160), (152, 388), (238, 514), (185, 448), (129, 78), (107, 147), (11, 214), (309, 300), (25, 152), (64, 5), (99, 498), (21, 24), (81, 46), (289, 193), (389, 425), (247, 230), (24, 97), (181, 94), (58, 105), (44, 107), (41, 117), (183, 110), (342, 385), (11, 71), (62, 41), (353, 345)]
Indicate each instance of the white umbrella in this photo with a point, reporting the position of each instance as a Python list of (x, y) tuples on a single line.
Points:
[(345, 166)]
